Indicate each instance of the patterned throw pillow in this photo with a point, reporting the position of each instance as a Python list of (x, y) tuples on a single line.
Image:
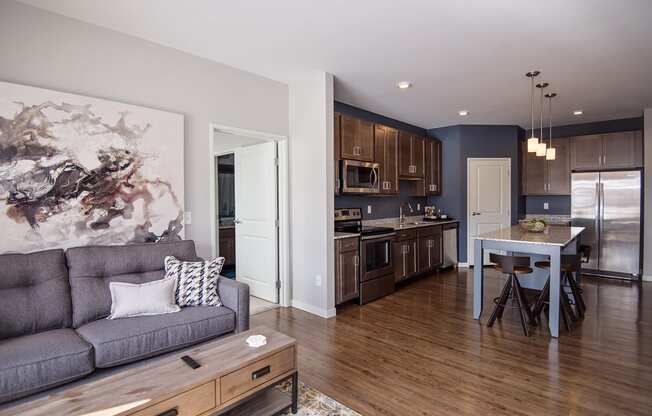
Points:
[(196, 280)]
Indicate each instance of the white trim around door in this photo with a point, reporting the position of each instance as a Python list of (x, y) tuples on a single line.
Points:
[(283, 199), (498, 212)]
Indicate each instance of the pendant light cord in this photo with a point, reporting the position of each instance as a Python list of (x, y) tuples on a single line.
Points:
[(532, 107), (541, 114), (550, 118)]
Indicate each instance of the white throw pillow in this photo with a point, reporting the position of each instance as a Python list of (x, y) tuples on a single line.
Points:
[(153, 298), (196, 280)]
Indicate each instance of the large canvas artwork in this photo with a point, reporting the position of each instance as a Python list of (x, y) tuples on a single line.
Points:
[(76, 171)]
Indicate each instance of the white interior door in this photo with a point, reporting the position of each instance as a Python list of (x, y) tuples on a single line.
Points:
[(256, 213), (489, 199)]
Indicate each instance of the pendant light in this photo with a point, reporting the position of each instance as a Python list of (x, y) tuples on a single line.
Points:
[(533, 141), (551, 153), (541, 146)]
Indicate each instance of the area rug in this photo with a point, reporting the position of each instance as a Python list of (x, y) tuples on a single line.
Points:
[(315, 403)]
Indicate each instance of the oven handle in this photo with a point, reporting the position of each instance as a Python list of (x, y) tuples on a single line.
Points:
[(375, 237)]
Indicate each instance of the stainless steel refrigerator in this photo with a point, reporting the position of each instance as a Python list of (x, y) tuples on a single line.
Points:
[(608, 204)]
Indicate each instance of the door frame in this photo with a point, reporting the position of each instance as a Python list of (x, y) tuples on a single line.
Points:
[(508, 160), (283, 199)]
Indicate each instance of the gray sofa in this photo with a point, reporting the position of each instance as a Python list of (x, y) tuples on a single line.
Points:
[(53, 304)]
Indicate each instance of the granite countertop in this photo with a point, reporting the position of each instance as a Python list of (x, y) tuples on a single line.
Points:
[(410, 222), (551, 219), (340, 235), (556, 236)]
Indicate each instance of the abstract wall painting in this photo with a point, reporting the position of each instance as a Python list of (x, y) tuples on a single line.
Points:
[(76, 170)]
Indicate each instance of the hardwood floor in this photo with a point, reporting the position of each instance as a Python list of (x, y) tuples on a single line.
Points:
[(420, 352)]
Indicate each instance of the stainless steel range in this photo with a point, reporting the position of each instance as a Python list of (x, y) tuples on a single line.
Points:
[(377, 270)]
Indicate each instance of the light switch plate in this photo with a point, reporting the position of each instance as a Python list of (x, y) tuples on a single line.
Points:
[(187, 217), (419, 207), (368, 209), (545, 205)]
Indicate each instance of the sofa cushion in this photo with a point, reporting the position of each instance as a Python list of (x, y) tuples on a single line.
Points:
[(34, 293), (40, 361), (92, 268), (120, 341)]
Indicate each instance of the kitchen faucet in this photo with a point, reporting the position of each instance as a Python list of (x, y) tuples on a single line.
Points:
[(401, 217)]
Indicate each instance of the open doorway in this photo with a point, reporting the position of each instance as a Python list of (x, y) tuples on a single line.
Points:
[(248, 174)]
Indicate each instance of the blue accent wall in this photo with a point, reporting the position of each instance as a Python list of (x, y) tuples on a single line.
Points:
[(561, 205), (381, 206), (474, 141)]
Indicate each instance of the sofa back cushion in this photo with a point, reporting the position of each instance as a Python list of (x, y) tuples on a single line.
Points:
[(92, 268), (34, 293)]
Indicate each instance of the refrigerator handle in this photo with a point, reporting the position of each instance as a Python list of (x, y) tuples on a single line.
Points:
[(601, 208), (598, 200)]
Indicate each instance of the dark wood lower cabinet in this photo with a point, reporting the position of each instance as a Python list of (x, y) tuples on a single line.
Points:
[(347, 269), (405, 259), (417, 251), (430, 248)]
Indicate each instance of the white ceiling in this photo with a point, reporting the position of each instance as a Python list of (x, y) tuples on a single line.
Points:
[(459, 54)]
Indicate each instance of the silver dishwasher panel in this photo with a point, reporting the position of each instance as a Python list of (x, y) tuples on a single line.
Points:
[(450, 248)]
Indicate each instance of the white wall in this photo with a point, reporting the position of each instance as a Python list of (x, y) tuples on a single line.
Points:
[(647, 202), (47, 50), (311, 190)]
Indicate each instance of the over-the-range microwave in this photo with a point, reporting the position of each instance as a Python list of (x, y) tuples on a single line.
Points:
[(360, 177)]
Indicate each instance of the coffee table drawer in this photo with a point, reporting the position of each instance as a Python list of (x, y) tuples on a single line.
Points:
[(247, 378), (191, 403)]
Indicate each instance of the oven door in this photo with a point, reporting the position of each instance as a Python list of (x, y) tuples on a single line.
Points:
[(360, 177), (376, 256)]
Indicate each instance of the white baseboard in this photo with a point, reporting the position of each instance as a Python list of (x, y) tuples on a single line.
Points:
[(464, 265), (321, 312), (647, 278)]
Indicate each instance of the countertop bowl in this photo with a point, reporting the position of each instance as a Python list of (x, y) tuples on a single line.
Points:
[(534, 226)]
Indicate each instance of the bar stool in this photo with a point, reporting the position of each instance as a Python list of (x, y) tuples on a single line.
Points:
[(512, 266), (570, 263)]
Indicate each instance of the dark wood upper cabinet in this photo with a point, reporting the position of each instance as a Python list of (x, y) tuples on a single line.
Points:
[(559, 178), (356, 139), (433, 167), (386, 152), (336, 150), (411, 155), (622, 150), (347, 269), (534, 173), (586, 152), (547, 177)]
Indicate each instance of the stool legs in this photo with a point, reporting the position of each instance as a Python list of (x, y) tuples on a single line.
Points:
[(512, 286), (566, 312), (502, 300), (580, 306)]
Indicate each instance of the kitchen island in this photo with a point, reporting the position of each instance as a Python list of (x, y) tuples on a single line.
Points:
[(514, 239)]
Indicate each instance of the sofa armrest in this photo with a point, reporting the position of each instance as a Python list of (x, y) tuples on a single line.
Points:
[(235, 296)]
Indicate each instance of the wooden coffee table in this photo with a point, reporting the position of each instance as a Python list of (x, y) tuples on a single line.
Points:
[(233, 379)]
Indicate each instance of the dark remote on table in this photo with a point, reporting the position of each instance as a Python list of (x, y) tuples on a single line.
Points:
[(190, 362)]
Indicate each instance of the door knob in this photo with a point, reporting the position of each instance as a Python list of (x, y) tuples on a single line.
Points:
[(237, 222), (475, 213)]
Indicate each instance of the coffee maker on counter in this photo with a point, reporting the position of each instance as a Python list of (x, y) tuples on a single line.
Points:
[(433, 213)]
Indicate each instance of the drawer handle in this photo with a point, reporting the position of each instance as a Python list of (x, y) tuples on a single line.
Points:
[(171, 412), (260, 373)]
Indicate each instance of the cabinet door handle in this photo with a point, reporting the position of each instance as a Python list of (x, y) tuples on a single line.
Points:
[(260, 373)]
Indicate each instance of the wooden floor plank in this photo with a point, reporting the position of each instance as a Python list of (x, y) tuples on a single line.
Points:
[(420, 352)]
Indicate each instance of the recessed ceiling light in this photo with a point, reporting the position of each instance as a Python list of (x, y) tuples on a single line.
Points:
[(578, 112), (403, 84), (463, 113)]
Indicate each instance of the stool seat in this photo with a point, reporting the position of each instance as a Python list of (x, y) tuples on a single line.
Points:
[(546, 265), (516, 270)]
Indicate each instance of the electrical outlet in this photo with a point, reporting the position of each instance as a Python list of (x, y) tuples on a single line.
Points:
[(419, 207), (545, 205), (187, 217), (368, 209), (318, 280)]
